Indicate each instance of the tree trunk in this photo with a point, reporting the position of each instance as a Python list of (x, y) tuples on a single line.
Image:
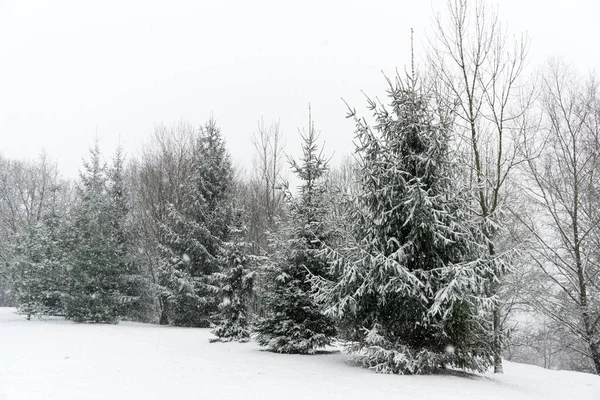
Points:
[(595, 350), (496, 320), (497, 341), (164, 315)]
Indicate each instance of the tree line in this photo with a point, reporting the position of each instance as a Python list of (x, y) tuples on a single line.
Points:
[(463, 229)]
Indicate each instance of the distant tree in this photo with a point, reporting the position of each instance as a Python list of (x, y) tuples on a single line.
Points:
[(259, 193), (294, 322), (563, 186), (342, 184), (236, 284), (193, 234), (157, 185), (28, 191), (538, 343), (267, 198), (135, 286), (96, 263), (39, 268)]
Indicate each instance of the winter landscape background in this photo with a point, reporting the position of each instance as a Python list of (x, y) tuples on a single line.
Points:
[(455, 236)]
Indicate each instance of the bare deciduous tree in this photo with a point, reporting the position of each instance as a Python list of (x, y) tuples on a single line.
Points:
[(563, 168), (28, 189), (158, 176), (479, 72), (264, 200)]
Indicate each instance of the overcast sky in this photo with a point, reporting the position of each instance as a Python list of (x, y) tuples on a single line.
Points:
[(69, 69)]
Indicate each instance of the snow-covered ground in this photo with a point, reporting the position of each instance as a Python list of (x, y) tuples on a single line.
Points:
[(56, 359)]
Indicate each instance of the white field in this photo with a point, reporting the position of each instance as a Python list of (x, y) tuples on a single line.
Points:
[(54, 359)]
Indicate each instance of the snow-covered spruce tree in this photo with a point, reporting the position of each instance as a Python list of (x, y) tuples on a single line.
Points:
[(236, 285), (411, 279), (134, 287), (39, 268), (294, 322), (193, 235), (96, 261)]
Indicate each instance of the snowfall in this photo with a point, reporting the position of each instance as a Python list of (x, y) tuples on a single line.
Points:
[(54, 359)]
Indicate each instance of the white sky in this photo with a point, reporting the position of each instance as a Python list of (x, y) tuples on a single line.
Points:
[(69, 69)]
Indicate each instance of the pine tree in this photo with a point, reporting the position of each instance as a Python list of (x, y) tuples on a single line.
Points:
[(411, 280), (193, 236), (294, 321), (236, 285), (96, 263)]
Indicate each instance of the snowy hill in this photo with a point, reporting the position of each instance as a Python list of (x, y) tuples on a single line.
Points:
[(55, 359)]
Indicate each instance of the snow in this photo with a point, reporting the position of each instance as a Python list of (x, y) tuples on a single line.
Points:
[(54, 359)]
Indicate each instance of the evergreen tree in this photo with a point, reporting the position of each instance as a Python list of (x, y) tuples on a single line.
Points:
[(39, 268), (193, 236), (134, 288), (294, 321), (118, 201), (411, 280), (96, 261), (236, 285)]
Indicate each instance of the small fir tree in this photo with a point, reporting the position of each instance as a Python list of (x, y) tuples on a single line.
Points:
[(294, 321), (236, 285)]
